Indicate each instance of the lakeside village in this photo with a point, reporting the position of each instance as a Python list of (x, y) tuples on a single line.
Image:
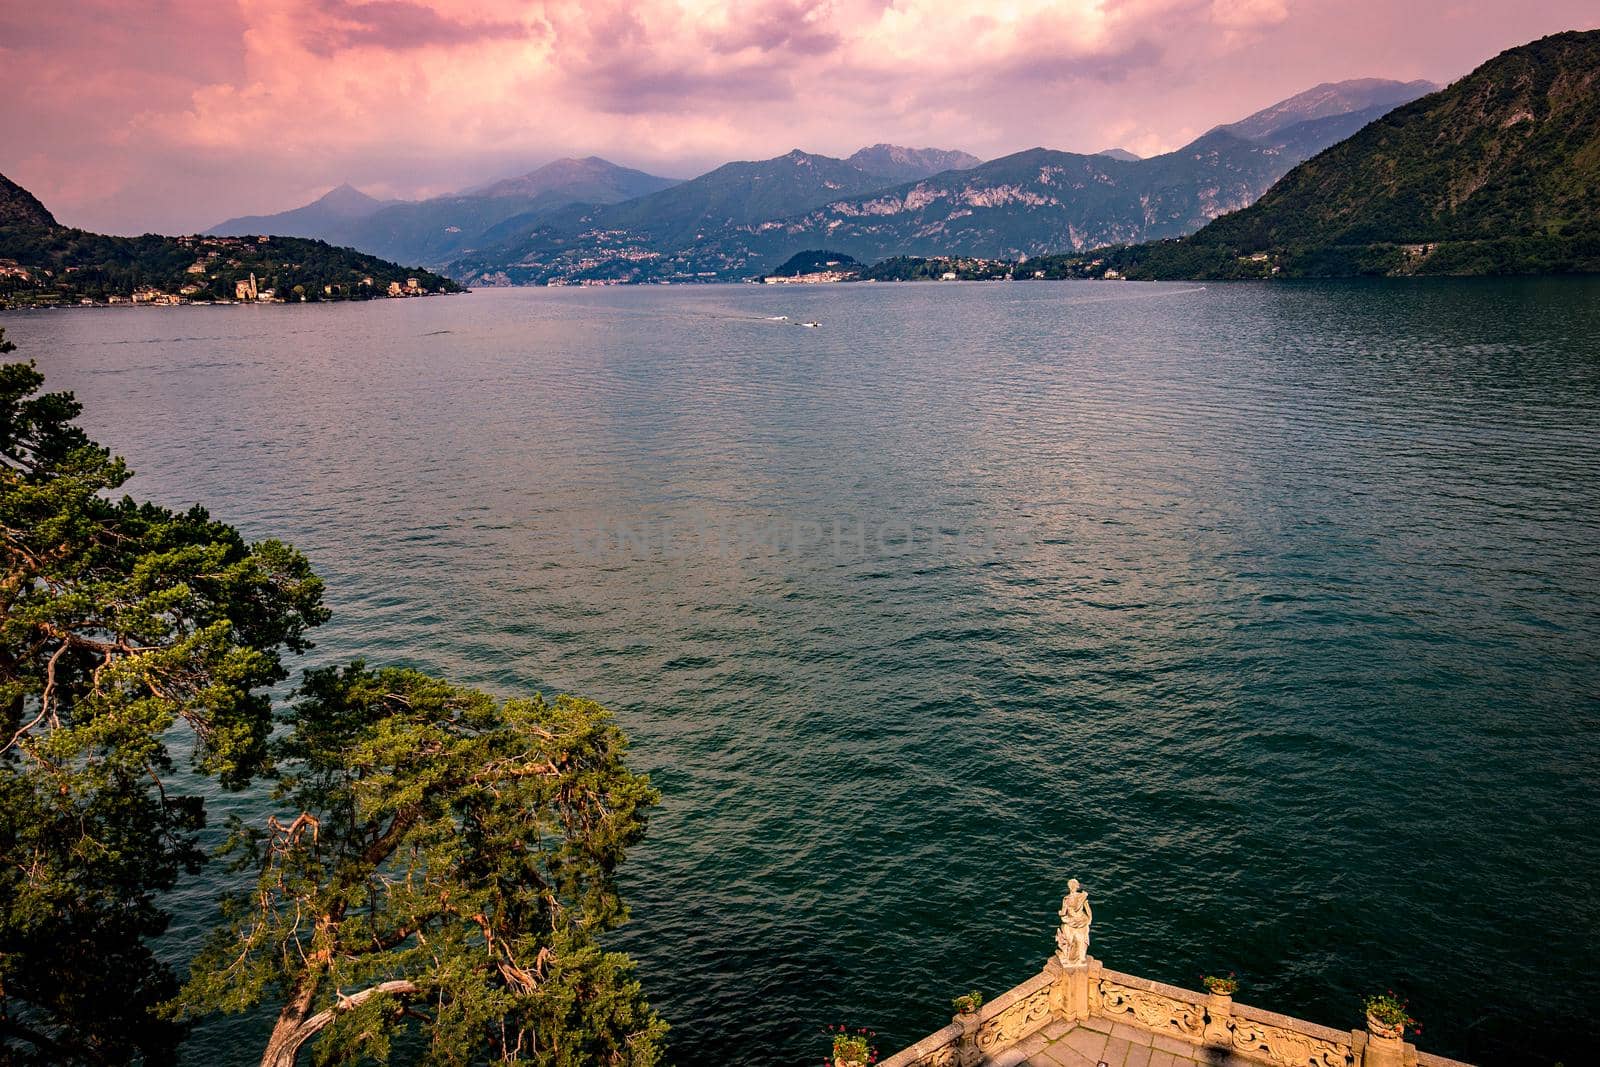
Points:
[(821, 267), (248, 291)]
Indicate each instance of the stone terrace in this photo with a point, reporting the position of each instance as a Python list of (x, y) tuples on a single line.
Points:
[(1096, 1042), (1079, 1013)]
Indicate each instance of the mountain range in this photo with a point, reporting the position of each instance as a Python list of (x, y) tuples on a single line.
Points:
[(435, 231), (589, 219), (1499, 173), (741, 219), (439, 230)]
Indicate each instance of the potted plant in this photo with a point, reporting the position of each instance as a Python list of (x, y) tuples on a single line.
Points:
[(1221, 989), (1387, 1017), (967, 1003), (852, 1048)]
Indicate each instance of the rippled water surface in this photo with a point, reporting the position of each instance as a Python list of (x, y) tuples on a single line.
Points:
[(1270, 612)]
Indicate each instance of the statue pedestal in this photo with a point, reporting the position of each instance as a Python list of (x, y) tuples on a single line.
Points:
[(1071, 986)]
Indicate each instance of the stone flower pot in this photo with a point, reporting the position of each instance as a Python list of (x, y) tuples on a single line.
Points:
[(1219, 1005), (1377, 1028)]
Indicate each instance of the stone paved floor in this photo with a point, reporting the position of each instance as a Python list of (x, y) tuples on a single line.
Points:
[(1094, 1042)]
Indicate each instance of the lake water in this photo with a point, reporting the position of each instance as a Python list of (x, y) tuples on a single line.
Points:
[(1272, 613)]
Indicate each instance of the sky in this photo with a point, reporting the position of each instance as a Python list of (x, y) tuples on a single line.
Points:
[(131, 116)]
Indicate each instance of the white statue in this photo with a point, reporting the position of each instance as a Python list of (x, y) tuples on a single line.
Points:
[(1072, 940)]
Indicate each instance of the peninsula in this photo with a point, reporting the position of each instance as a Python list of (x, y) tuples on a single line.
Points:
[(46, 264)]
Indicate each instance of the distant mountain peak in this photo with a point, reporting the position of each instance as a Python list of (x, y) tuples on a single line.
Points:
[(1326, 99), (898, 163), (342, 204), (1119, 153), (577, 164), (600, 179), (345, 199)]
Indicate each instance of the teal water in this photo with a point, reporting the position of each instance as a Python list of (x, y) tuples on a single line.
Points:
[(1270, 612)]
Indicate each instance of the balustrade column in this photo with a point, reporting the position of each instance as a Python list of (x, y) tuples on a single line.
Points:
[(967, 1053), (1386, 1045), (1219, 1013)]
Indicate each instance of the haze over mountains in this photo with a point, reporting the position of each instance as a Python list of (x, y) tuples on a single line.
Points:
[(588, 180), (576, 220), (337, 207), (436, 230)]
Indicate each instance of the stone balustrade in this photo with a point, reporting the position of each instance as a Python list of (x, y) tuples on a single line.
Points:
[(1189, 1026)]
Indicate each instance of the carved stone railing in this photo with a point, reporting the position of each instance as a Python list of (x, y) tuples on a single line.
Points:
[(1279, 1039), (1160, 1009), (993, 1028), (1216, 1021), (1084, 991), (942, 1048), (1014, 1015)]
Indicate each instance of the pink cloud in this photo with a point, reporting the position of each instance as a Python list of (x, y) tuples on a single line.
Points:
[(1248, 14), (400, 25), (173, 114)]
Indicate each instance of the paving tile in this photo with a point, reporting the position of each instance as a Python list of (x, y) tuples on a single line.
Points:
[(1116, 1053), (1087, 1043), (1055, 1030), (1013, 1057), (1131, 1034), (1183, 1050), (1062, 1056), (1033, 1044), (1138, 1056), (1166, 1059), (1096, 1023)]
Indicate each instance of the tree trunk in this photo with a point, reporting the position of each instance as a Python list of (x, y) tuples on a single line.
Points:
[(282, 1046), (295, 1026)]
